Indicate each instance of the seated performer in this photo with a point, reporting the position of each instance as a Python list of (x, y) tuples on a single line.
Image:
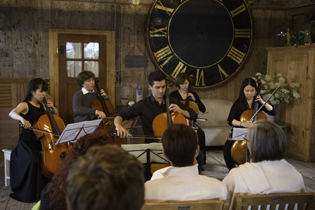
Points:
[(53, 196), (83, 99), (245, 101), (183, 82), (151, 106), (181, 181), (106, 177), (268, 171), (27, 180)]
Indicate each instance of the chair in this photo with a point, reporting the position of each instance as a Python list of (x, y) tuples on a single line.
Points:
[(305, 201), (187, 205)]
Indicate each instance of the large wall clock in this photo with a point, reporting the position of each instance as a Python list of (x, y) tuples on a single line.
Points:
[(209, 39)]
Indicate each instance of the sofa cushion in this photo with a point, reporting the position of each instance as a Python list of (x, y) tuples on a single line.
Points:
[(216, 127), (218, 112)]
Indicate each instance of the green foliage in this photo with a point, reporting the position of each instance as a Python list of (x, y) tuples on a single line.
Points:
[(287, 92)]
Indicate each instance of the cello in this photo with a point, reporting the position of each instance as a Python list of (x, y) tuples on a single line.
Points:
[(191, 105), (106, 126), (163, 120), (239, 148), (47, 129)]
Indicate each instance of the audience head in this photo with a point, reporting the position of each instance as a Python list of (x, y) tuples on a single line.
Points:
[(108, 178), (267, 141), (84, 76), (181, 79), (156, 76), (180, 145), (33, 85), (57, 187)]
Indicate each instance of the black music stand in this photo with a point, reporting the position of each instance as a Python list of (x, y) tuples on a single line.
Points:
[(74, 131), (147, 154)]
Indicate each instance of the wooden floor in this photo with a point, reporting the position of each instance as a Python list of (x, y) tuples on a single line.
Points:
[(215, 167)]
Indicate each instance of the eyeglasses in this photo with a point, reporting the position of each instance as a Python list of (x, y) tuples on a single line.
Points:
[(245, 138)]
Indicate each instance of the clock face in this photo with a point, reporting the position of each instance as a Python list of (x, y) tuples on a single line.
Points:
[(209, 39)]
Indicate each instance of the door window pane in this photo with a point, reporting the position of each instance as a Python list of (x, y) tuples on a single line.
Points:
[(91, 50), (74, 68), (74, 50), (92, 66)]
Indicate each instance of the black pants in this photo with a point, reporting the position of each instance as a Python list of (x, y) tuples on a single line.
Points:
[(202, 143), (227, 154)]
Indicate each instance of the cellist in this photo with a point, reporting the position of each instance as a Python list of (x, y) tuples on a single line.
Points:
[(184, 93), (83, 99), (152, 106), (245, 101), (26, 177)]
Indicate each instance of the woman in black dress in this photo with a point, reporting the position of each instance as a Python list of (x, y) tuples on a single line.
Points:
[(27, 180), (245, 101), (183, 82)]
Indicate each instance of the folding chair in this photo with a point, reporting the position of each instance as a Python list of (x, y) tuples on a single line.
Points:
[(187, 205), (275, 201)]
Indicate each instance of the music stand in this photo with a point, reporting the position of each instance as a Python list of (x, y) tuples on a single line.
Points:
[(238, 134), (147, 153), (74, 131)]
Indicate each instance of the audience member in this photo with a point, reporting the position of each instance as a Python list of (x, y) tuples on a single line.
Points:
[(53, 196), (106, 178), (181, 180), (268, 171)]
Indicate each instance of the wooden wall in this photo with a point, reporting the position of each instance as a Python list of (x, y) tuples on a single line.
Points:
[(24, 50), (24, 40)]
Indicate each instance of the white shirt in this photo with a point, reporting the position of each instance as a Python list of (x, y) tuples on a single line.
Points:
[(264, 178), (84, 91), (183, 184)]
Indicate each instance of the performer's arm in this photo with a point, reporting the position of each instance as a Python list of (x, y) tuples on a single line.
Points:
[(15, 114), (51, 105), (121, 131)]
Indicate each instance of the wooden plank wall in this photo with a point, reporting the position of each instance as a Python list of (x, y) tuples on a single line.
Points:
[(24, 40), (11, 93), (298, 63)]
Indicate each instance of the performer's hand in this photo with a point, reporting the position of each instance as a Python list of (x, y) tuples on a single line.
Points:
[(175, 108), (121, 131), (103, 94), (190, 95), (50, 104), (26, 124), (100, 114), (258, 98), (246, 124)]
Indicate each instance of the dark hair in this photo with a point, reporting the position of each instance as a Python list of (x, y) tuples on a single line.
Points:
[(57, 187), (83, 76), (108, 178), (267, 141), (242, 99), (180, 143), (181, 78), (156, 76), (34, 85)]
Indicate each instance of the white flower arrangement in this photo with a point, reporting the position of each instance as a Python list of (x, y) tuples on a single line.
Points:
[(285, 93)]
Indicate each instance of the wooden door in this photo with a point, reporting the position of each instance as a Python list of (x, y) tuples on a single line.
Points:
[(77, 53), (298, 63)]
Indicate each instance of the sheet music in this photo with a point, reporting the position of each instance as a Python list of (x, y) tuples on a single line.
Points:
[(238, 133), (74, 131)]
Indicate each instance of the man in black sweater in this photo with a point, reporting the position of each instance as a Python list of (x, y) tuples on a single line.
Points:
[(83, 99)]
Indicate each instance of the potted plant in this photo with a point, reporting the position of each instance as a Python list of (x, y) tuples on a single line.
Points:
[(287, 92)]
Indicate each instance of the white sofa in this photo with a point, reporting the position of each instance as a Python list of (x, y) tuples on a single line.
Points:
[(216, 127)]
